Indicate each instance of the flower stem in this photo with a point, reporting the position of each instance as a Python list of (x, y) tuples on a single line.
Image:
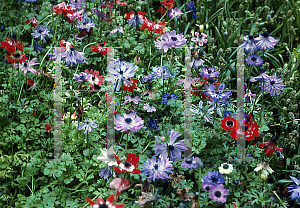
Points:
[(199, 186)]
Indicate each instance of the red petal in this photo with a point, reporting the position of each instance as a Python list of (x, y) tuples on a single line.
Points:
[(34, 112), (30, 82), (90, 201), (48, 127), (111, 198)]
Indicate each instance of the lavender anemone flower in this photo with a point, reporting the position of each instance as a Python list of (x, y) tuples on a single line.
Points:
[(146, 79), (254, 60), (193, 9), (167, 97), (82, 76), (149, 107), (77, 3), (98, 13), (262, 75), (157, 169), (41, 31), (295, 189), (117, 29), (196, 62), (27, 66), (37, 46), (213, 177), (190, 162), (209, 73), (132, 98), (170, 40), (107, 171), (162, 72), (85, 24), (174, 13), (130, 122), (200, 38), (273, 85), (217, 94), (186, 83), (218, 193), (249, 44), (175, 149), (206, 114), (73, 57), (265, 41), (121, 70), (135, 19), (206, 187), (88, 125)]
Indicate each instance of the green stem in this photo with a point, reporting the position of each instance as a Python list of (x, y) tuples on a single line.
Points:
[(279, 199), (45, 106), (199, 186), (147, 146)]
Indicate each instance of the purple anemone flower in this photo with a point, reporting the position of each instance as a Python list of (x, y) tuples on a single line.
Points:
[(73, 57), (205, 114), (170, 40), (218, 193), (85, 24), (175, 13), (217, 94), (273, 85), (107, 171), (265, 41), (98, 13), (132, 98), (149, 107), (27, 66), (162, 72), (146, 79), (206, 187), (209, 73), (254, 60), (190, 162), (262, 75), (82, 76), (295, 189), (200, 38), (41, 31), (249, 44), (130, 122), (213, 177), (77, 3), (88, 125), (117, 29), (196, 62), (193, 9), (175, 149), (167, 97), (157, 169)]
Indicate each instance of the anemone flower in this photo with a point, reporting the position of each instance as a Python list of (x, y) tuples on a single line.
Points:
[(254, 60), (218, 193), (130, 122), (249, 45), (41, 31), (119, 184), (170, 40), (265, 41), (85, 24), (11, 44), (135, 18), (94, 79), (149, 107), (199, 39), (88, 125), (269, 147), (226, 168), (129, 166), (167, 97), (295, 189), (175, 13), (73, 57), (205, 114), (171, 149), (209, 73), (190, 162), (213, 177), (27, 66), (217, 94), (273, 85), (157, 169), (106, 172), (101, 203)]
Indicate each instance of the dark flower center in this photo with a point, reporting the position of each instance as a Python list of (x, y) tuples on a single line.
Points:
[(253, 58), (40, 31), (128, 120), (150, 105), (251, 37), (155, 166), (17, 55), (225, 166), (174, 38), (189, 160), (169, 97), (14, 36), (209, 71), (103, 206), (207, 188), (84, 23), (272, 82), (214, 179), (171, 147), (229, 123), (101, 44), (72, 49), (132, 96), (25, 64), (127, 164), (121, 72), (266, 34), (211, 80), (218, 194), (93, 78), (81, 77)]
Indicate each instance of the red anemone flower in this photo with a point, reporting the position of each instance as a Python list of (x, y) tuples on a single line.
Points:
[(229, 124), (95, 78), (251, 129), (131, 15), (129, 84), (121, 3), (162, 10), (129, 166), (153, 26), (108, 4), (119, 184), (11, 44), (48, 127), (270, 147), (17, 57), (102, 203), (108, 17), (31, 83), (33, 21), (168, 3), (100, 48)]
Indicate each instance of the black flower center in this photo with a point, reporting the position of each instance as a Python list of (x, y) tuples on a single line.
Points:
[(171, 147), (81, 77), (251, 37), (266, 34), (225, 166), (128, 120), (253, 58), (93, 78), (209, 71), (127, 164), (214, 179), (40, 31), (189, 160), (121, 72), (150, 105), (14, 36), (17, 55), (200, 36), (25, 64), (169, 97), (272, 82), (132, 96), (218, 194), (229, 123), (103, 206), (207, 188), (72, 49), (174, 38), (101, 44), (155, 166), (84, 23)]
